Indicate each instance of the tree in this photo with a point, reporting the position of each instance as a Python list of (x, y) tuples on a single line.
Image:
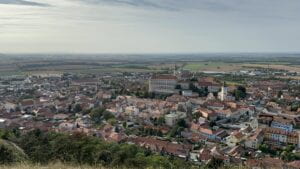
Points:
[(77, 108), (181, 123), (279, 94), (161, 120), (97, 115), (6, 155), (240, 93), (178, 87), (112, 121), (107, 115), (214, 163), (81, 149), (295, 106)]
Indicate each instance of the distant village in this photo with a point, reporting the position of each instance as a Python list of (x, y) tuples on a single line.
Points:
[(197, 117)]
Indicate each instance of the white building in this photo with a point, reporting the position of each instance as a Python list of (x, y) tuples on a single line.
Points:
[(223, 93), (171, 119), (164, 84)]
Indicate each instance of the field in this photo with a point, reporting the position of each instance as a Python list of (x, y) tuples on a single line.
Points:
[(292, 68), (212, 66), (227, 66), (36, 64)]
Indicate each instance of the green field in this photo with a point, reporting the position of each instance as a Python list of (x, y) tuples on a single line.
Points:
[(211, 66)]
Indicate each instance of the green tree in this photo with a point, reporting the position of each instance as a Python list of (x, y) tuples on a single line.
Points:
[(77, 108), (6, 155), (161, 120), (279, 94), (240, 93), (182, 123), (97, 115)]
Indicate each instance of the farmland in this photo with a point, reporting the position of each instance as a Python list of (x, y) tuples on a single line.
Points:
[(32, 64), (212, 66)]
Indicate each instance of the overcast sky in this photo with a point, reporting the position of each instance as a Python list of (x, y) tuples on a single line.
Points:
[(149, 26)]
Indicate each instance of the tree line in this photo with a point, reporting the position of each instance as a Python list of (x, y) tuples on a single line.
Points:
[(77, 148)]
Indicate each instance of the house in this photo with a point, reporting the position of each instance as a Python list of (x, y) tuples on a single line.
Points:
[(265, 163), (60, 116), (85, 82), (282, 123), (10, 105), (208, 114), (164, 147), (280, 136), (185, 85), (44, 113), (27, 104), (215, 105), (236, 152), (205, 155), (254, 140), (226, 113), (176, 98), (131, 111), (235, 138), (208, 83), (265, 119), (218, 154), (293, 165), (215, 135)]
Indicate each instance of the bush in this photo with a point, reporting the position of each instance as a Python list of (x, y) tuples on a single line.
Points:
[(78, 148)]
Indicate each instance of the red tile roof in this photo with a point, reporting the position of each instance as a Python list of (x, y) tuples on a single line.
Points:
[(164, 77)]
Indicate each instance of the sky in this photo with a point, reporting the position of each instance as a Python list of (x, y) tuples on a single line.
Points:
[(149, 26)]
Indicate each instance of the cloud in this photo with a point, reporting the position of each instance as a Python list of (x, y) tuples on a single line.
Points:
[(170, 5), (134, 3), (23, 2)]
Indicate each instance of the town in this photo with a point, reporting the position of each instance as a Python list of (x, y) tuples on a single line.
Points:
[(195, 116)]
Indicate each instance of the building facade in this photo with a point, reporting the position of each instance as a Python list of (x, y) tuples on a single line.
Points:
[(164, 84)]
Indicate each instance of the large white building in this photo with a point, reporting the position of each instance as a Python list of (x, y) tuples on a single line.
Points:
[(165, 84)]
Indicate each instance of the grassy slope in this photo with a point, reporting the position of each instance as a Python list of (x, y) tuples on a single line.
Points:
[(18, 153)]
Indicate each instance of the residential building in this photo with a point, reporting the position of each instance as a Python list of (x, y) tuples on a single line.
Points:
[(254, 140), (282, 123), (280, 136), (235, 138)]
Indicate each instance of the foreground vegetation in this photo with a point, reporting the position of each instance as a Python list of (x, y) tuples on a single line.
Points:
[(49, 166), (44, 148), (70, 166)]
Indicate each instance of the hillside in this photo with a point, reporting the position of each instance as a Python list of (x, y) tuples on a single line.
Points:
[(11, 152), (52, 166)]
